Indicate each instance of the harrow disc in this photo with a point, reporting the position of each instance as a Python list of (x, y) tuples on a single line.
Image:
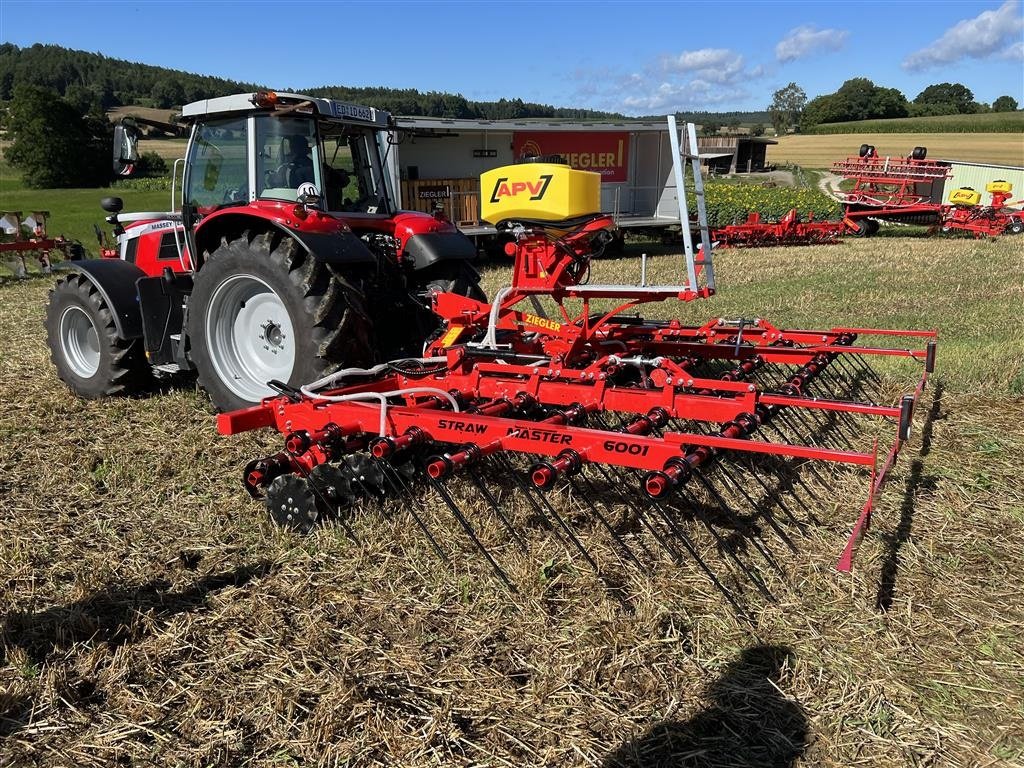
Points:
[(292, 504), (332, 489)]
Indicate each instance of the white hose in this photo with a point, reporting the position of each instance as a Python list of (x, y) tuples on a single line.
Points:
[(382, 397), (309, 389)]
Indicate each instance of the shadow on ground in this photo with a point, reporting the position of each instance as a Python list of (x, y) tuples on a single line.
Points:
[(748, 722), (917, 484), (112, 615)]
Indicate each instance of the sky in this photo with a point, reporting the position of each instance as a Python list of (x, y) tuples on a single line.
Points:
[(637, 58)]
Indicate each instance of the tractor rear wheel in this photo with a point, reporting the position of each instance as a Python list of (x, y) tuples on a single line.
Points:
[(89, 355), (457, 277), (263, 309)]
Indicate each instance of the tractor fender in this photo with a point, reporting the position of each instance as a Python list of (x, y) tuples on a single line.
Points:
[(426, 240), (333, 243), (431, 247), (115, 280)]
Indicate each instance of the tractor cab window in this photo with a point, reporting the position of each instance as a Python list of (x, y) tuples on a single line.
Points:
[(288, 156), (353, 169), (218, 165)]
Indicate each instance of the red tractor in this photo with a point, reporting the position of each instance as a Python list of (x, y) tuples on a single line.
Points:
[(285, 259)]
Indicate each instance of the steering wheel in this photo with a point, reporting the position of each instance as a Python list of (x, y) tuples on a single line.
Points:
[(239, 194)]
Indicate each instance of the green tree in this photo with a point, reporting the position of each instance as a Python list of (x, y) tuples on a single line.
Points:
[(52, 144), (1005, 104), (955, 98), (710, 129), (757, 129), (787, 105), (856, 99)]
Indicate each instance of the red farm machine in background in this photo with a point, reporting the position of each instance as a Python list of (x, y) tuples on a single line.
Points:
[(908, 190), (900, 189), (556, 383), (966, 214), (789, 230), (23, 235)]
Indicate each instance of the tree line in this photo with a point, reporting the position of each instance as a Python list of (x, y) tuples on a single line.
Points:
[(94, 83), (860, 99)]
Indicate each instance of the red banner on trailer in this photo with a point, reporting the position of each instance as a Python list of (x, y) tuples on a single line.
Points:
[(602, 152)]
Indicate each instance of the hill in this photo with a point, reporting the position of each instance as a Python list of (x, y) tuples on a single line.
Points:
[(97, 83)]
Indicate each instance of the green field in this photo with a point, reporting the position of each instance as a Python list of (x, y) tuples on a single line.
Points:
[(154, 616), (990, 122), (73, 212)]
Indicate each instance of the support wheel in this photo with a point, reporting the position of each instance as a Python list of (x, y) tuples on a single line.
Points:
[(89, 355), (264, 309)]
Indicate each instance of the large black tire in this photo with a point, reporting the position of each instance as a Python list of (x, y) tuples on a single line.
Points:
[(262, 308), (1016, 226), (84, 346), (456, 277)]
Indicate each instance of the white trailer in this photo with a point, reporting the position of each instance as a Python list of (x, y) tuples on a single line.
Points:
[(438, 162)]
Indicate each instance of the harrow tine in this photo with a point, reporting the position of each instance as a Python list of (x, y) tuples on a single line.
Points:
[(760, 507), (603, 520), (776, 494), (638, 513), (442, 491), (402, 489), (678, 533), (539, 502), (745, 528), (722, 545), (478, 481)]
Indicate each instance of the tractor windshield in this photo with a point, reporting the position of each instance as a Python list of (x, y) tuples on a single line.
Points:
[(288, 156)]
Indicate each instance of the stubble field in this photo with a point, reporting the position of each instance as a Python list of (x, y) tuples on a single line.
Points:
[(152, 615)]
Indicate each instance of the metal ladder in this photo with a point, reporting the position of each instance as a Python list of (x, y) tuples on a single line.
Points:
[(705, 260)]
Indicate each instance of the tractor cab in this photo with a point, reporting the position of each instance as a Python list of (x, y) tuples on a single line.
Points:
[(267, 146)]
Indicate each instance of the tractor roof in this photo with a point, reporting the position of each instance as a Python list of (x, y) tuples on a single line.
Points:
[(266, 101)]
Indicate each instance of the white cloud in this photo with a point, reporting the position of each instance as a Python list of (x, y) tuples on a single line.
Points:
[(806, 40), (1014, 53), (690, 80), (719, 65), (989, 33)]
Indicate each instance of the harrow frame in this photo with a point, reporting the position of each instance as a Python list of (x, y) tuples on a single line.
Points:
[(496, 380)]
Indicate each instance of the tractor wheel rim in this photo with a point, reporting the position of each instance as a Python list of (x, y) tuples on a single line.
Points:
[(80, 342), (250, 336)]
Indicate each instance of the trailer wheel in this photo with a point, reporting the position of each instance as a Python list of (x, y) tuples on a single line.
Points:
[(262, 309), (862, 228), (84, 346), (873, 226), (1015, 227)]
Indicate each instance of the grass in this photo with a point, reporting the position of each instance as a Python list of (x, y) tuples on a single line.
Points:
[(822, 151), (74, 212), (153, 616), (991, 122)]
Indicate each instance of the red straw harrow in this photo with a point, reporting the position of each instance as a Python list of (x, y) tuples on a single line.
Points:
[(890, 188), (789, 230), (643, 420)]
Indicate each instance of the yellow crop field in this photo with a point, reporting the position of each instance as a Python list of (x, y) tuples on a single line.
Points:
[(821, 151)]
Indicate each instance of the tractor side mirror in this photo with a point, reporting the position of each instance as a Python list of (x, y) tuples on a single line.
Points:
[(112, 204)]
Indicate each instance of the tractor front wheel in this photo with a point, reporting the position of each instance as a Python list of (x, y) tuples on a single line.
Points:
[(264, 309), (89, 355)]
